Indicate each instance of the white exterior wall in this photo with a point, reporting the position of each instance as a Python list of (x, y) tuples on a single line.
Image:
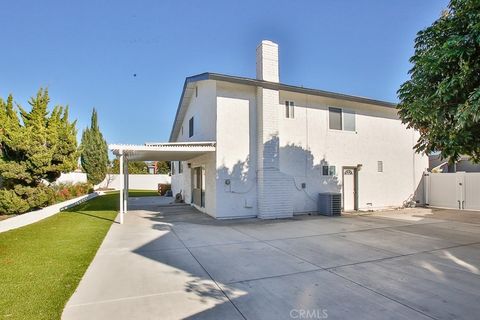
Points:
[(203, 109), (181, 182), (135, 181), (236, 151), (307, 143)]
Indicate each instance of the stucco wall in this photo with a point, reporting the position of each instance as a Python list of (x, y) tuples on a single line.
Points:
[(236, 151), (136, 181), (203, 108), (307, 143), (181, 182)]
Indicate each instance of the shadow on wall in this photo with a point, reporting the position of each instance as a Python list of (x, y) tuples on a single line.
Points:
[(303, 178)]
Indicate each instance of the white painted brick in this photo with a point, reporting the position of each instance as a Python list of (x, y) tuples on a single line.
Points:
[(267, 61)]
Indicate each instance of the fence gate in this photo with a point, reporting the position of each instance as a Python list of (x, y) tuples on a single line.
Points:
[(459, 190)]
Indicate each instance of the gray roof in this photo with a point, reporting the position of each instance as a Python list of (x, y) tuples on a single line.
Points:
[(273, 86)]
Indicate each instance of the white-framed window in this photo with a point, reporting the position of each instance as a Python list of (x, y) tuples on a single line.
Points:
[(289, 109), (172, 167), (182, 130), (196, 91), (180, 167), (380, 166), (328, 170), (341, 119)]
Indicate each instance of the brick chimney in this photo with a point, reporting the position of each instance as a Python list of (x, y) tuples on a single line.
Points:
[(267, 61), (274, 188)]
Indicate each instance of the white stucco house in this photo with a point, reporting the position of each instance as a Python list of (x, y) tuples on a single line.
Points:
[(273, 147)]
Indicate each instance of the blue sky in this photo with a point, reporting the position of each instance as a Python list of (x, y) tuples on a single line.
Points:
[(86, 52)]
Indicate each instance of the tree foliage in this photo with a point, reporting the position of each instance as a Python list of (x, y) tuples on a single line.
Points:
[(134, 167), (442, 98), (35, 145), (94, 152), (163, 167)]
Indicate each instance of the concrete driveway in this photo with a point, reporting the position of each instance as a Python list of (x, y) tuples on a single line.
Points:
[(172, 262)]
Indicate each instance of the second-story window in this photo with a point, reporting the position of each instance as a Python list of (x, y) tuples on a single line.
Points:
[(341, 119), (190, 127), (289, 109)]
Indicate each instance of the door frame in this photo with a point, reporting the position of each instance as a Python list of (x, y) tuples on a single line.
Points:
[(355, 187), (201, 169)]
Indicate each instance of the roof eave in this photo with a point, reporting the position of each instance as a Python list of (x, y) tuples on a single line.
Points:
[(274, 86)]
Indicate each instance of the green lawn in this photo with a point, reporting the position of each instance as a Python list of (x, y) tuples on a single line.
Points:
[(41, 264)]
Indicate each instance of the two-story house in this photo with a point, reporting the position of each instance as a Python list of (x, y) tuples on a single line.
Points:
[(277, 146)]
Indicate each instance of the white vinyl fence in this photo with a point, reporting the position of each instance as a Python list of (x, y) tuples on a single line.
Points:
[(459, 190), (136, 181)]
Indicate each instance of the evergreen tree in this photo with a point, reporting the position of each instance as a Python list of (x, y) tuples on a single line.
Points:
[(31, 151), (163, 167), (442, 98), (94, 154), (134, 167)]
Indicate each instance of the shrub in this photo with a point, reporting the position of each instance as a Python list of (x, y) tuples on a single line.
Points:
[(10, 203)]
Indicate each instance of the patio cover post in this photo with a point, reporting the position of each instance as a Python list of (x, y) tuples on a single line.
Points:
[(120, 171), (125, 192)]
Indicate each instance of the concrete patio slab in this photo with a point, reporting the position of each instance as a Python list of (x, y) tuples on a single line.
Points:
[(444, 233), (173, 262), (141, 238), (308, 226), (154, 272), (395, 242), (198, 235), (321, 293), (168, 306), (424, 282), (245, 261), (330, 251), (466, 258)]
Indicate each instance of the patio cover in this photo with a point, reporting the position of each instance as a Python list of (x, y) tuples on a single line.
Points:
[(168, 151)]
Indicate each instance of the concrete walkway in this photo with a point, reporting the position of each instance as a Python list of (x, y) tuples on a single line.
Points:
[(172, 262)]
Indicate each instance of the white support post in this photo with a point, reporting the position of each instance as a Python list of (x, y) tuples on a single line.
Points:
[(125, 194), (121, 184)]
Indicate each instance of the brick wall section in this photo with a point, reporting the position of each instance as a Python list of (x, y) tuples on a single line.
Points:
[(267, 61), (274, 188)]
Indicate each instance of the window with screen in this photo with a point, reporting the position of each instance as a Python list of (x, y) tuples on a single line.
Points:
[(348, 120), (335, 118), (328, 170), (289, 109), (339, 119)]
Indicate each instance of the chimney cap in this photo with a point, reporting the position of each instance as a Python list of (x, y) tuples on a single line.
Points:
[(268, 42)]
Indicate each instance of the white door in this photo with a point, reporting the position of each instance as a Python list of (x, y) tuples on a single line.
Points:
[(348, 189)]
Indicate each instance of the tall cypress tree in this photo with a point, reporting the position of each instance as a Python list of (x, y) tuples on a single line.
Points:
[(94, 154), (32, 150)]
